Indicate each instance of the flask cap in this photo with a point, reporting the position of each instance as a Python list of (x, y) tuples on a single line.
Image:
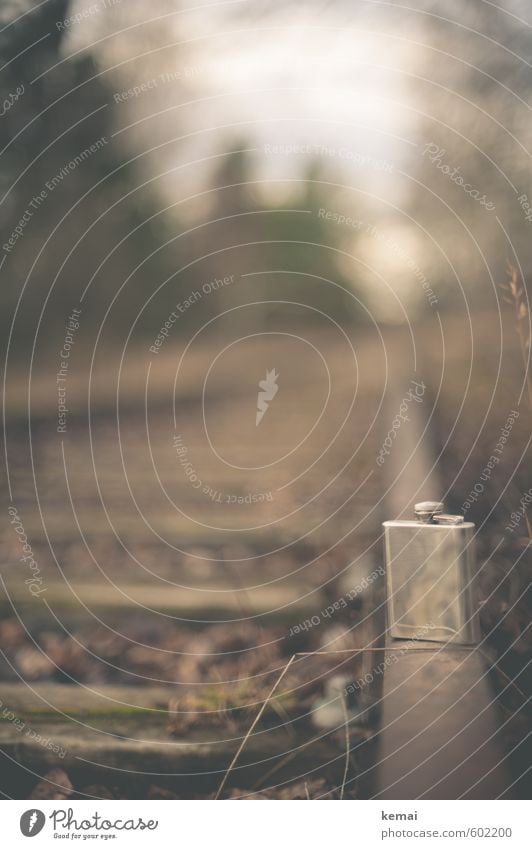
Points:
[(426, 511)]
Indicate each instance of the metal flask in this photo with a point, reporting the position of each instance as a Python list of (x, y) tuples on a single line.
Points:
[(431, 577)]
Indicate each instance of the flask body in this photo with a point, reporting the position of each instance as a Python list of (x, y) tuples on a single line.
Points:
[(431, 582)]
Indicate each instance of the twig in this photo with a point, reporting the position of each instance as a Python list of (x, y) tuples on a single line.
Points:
[(253, 724)]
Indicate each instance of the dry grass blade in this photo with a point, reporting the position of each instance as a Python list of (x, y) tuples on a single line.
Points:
[(278, 681), (347, 747), (519, 300), (512, 683), (453, 646), (252, 726)]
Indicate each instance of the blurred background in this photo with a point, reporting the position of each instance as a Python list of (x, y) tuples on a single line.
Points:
[(192, 198)]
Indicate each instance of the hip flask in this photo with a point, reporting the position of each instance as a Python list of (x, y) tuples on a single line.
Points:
[(431, 577)]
